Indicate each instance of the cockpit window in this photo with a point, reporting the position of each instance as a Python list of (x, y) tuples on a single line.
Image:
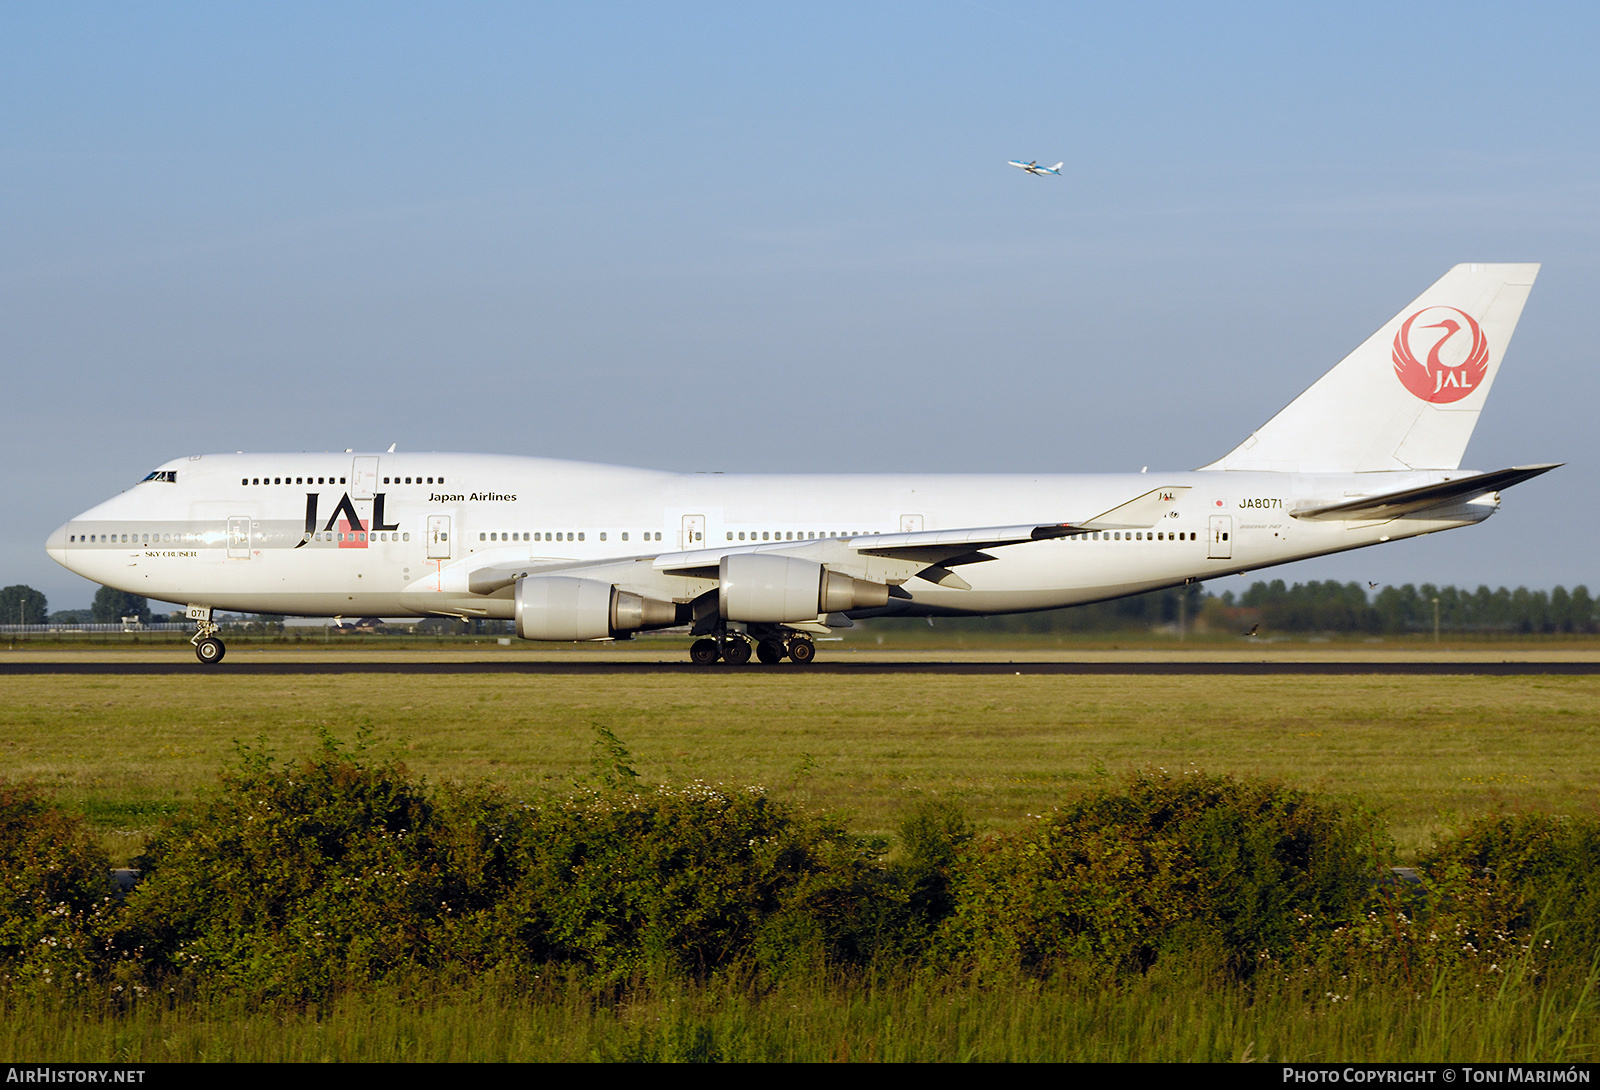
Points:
[(168, 475)]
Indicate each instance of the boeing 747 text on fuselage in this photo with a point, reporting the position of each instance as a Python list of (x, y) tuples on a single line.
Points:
[(763, 564)]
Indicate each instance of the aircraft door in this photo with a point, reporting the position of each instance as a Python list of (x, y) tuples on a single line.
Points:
[(438, 537), (911, 524), (363, 478), (239, 537), (1221, 537), (693, 534)]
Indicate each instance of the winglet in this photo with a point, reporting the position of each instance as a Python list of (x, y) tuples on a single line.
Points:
[(1140, 512)]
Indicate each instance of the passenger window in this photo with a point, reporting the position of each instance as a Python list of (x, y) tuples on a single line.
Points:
[(602, 535), (624, 535), (406, 537), (580, 536)]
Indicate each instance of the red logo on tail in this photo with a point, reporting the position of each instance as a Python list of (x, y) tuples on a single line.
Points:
[(1454, 359)]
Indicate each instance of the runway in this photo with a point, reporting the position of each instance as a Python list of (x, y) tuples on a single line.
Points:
[(1168, 668)]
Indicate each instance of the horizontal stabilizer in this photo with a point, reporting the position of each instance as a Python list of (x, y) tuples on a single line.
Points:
[(1391, 505)]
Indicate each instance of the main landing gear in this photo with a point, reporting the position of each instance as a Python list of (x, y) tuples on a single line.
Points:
[(771, 648), (207, 648)]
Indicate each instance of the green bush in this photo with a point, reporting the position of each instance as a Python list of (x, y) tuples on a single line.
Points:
[(299, 880), (1506, 897), (1223, 869), (677, 881), (289, 881), (292, 882), (1536, 872), (55, 893)]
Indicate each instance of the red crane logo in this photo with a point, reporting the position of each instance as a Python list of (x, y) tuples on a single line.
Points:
[(1451, 366)]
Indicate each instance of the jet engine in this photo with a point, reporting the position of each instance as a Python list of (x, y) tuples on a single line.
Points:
[(776, 589), (560, 607)]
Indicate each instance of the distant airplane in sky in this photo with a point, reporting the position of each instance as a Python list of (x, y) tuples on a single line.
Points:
[(1035, 168), (1370, 453)]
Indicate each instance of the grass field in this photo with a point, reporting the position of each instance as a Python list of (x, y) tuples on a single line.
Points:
[(1426, 752), (1159, 1018)]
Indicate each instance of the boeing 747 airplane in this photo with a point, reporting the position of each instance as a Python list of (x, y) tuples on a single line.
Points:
[(762, 564)]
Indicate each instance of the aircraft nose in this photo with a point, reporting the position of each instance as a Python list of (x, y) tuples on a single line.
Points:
[(56, 545)]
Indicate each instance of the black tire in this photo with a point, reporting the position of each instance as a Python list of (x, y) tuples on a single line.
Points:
[(770, 652), (736, 652), (210, 651), (801, 651), (704, 652)]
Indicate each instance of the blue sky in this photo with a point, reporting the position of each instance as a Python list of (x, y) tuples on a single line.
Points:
[(780, 238)]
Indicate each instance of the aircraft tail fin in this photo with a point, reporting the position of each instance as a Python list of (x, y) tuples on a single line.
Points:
[(1409, 396), (1058, 166)]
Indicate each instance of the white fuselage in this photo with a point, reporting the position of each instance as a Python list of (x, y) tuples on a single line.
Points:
[(274, 533)]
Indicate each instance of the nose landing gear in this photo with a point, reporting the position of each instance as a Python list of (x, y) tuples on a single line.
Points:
[(207, 648)]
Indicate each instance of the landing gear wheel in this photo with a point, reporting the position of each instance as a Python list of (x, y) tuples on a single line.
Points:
[(801, 651), (770, 652), (704, 652), (210, 650), (736, 652)]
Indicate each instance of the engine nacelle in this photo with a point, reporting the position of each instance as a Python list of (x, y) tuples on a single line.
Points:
[(560, 607), (772, 589)]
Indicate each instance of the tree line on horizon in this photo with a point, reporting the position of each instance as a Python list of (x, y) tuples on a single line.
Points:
[(1313, 607), (1327, 606), (20, 604), (1395, 610)]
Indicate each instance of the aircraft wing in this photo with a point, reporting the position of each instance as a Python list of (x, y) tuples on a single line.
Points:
[(891, 558), (885, 558), (1407, 501), (944, 547)]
